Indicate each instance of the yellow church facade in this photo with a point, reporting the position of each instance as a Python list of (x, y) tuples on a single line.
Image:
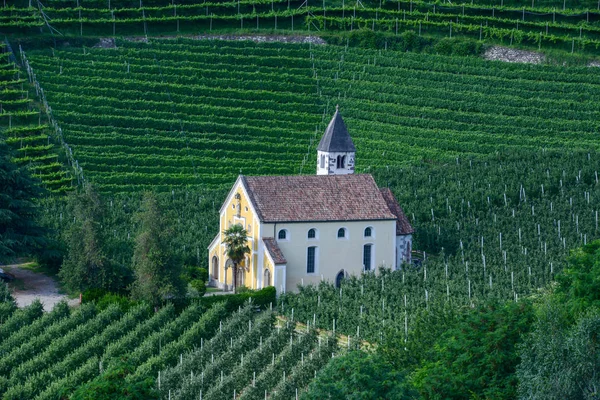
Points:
[(304, 229)]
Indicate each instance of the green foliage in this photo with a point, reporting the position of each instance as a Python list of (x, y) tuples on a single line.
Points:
[(359, 375), (263, 298), (21, 318), (427, 326), (579, 282), (561, 356), (561, 360), (191, 273), (86, 265), (124, 302), (457, 47), (92, 295), (478, 356), (8, 303), (199, 286), (157, 268), (113, 385), (20, 234)]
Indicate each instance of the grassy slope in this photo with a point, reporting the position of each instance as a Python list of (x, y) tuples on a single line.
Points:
[(199, 112)]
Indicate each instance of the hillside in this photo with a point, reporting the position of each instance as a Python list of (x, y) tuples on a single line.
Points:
[(175, 112), (113, 102), (552, 24)]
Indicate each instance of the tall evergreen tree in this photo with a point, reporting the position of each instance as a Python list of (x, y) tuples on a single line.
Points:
[(156, 267), (86, 265), (19, 232)]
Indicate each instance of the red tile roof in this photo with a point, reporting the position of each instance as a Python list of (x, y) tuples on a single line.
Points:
[(274, 250), (403, 227), (317, 198)]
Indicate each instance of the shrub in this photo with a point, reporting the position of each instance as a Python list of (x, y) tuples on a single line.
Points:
[(199, 286)]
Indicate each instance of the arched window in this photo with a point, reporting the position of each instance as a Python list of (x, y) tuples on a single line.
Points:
[(282, 235), (367, 256), (312, 233), (368, 231), (215, 268), (323, 161), (341, 233), (267, 279), (311, 260), (339, 278), (341, 162)]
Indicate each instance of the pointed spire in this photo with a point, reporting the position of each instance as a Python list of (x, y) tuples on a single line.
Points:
[(336, 137)]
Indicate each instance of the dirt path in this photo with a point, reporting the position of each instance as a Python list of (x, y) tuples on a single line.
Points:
[(33, 286)]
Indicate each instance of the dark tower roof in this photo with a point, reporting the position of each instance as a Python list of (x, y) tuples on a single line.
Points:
[(336, 137)]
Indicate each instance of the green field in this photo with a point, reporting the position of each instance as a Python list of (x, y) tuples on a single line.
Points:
[(569, 26), (48, 356), (24, 128), (179, 112), (495, 165)]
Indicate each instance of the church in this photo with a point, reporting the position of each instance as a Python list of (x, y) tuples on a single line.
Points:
[(306, 228)]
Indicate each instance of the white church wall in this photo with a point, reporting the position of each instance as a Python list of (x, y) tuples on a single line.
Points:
[(403, 249), (333, 254)]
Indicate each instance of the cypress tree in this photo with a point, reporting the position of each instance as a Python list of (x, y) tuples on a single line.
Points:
[(20, 234), (156, 267), (86, 265)]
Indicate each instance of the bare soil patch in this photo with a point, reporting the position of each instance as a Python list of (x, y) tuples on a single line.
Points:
[(33, 285), (253, 38), (507, 54)]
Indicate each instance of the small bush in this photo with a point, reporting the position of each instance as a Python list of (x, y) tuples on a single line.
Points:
[(92, 295), (123, 302), (199, 286), (457, 47)]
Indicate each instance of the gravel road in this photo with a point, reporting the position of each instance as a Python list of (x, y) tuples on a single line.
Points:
[(36, 286)]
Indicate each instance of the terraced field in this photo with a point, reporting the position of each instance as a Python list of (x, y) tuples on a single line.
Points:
[(187, 112), (25, 127), (571, 26), (47, 356)]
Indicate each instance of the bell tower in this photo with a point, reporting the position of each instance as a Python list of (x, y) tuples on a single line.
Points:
[(335, 153)]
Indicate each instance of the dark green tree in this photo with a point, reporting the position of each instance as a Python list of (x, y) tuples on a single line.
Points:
[(156, 267), (561, 356), (477, 358), (236, 242), (579, 283), (359, 375), (19, 232), (7, 302), (113, 385), (86, 265)]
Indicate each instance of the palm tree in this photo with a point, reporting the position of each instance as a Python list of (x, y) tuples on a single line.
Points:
[(236, 241)]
